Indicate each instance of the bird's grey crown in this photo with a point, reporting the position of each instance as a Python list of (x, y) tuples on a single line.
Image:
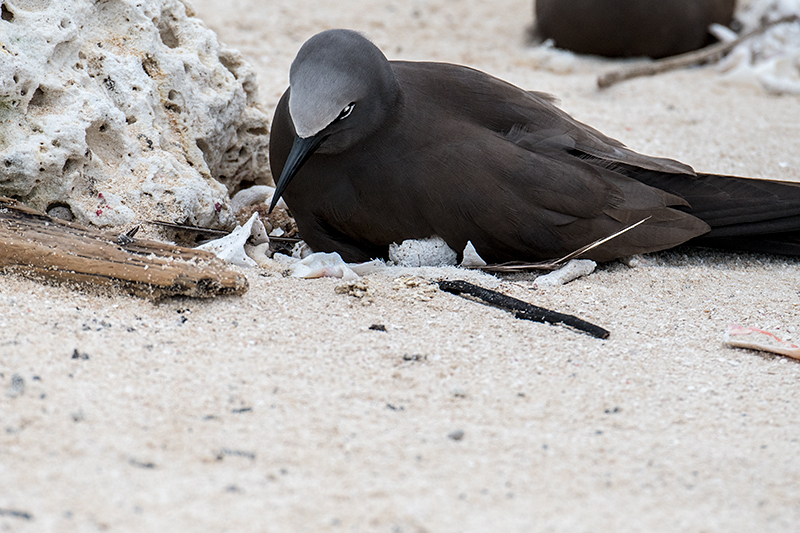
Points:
[(332, 70)]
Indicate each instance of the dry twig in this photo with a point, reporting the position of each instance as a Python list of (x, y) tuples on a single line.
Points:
[(35, 244), (519, 266), (689, 59), (522, 309)]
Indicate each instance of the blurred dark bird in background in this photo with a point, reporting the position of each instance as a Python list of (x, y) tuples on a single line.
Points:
[(630, 28)]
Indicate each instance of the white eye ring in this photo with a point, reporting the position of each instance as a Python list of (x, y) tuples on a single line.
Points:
[(346, 111)]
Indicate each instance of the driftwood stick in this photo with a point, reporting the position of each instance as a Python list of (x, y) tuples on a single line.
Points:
[(689, 59), (35, 244), (522, 309)]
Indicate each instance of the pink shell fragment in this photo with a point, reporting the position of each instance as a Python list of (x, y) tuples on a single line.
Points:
[(757, 339)]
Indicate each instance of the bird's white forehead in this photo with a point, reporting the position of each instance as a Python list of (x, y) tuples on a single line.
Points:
[(316, 99)]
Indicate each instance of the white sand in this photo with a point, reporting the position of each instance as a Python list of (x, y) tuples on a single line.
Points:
[(282, 411)]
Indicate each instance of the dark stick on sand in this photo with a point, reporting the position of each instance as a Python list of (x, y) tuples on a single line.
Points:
[(522, 309)]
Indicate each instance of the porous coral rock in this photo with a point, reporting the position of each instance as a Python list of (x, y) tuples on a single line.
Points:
[(125, 110), (432, 251)]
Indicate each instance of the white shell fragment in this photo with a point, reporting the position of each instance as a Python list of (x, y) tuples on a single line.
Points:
[(231, 248), (301, 250), (125, 110), (770, 60), (757, 339), (470, 257), (573, 270), (257, 194), (322, 265), (432, 251)]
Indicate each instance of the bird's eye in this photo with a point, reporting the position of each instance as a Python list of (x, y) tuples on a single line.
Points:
[(346, 111)]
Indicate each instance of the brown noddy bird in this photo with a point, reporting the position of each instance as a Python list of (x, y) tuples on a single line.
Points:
[(629, 28), (371, 152)]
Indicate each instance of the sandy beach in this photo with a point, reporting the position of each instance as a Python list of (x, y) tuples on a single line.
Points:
[(288, 409)]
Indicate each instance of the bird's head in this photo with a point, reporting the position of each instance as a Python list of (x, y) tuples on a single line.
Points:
[(341, 89)]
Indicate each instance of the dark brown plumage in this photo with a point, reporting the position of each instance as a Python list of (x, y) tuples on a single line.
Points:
[(628, 28), (399, 150)]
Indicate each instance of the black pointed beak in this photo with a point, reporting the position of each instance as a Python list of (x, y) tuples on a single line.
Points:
[(301, 150)]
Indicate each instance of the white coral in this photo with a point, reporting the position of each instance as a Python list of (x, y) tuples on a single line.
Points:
[(771, 60)]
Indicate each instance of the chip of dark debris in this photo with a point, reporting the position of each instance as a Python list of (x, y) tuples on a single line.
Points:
[(613, 411), (414, 357), (141, 464), (356, 289), (17, 385), (458, 434), (241, 410), (16, 514), (395, 408), (80, 355), (377, 327), (227, 452)]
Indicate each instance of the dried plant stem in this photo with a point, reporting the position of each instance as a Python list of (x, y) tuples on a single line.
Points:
[(696, 57), (37, 245)]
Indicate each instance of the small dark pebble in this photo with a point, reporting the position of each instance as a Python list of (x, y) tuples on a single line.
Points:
[(377, 327), (415, 357), (227, 452), (16, 514), (17, 384), (242, 410), (80, 355), (140, 464), (61, 212), (393, 408), (456, 435), (613, 411)]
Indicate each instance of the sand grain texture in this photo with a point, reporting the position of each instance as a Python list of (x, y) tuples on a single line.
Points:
[(282, 410)]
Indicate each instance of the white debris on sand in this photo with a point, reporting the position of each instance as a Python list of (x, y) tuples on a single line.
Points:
[(758, 339), (329, 265), (471, 258), (432, 251), (770, 60), (257, 194), (573, 270), (231, 248)]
